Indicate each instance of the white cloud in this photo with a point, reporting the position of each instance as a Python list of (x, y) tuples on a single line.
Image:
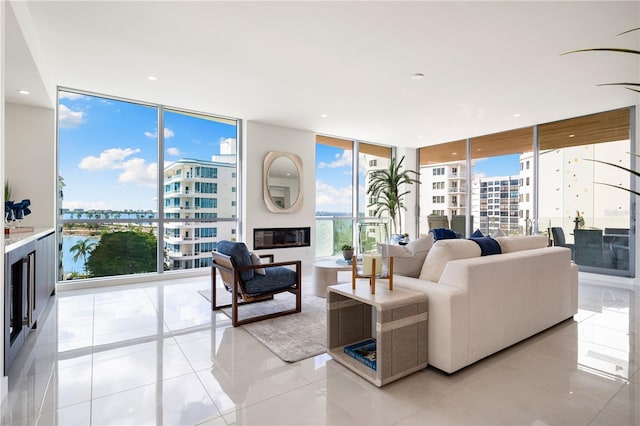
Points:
[(342, 160), (329, 198), (72, 96), (174, 151), (68, 118), (109, 159), (137, 171), (168, 133)]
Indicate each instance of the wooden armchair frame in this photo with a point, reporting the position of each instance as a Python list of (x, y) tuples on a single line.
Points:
[(230, 275)]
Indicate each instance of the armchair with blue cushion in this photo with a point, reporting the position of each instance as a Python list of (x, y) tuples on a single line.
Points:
[(246, 282)]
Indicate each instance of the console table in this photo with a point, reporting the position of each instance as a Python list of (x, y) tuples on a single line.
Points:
[(397, 319)]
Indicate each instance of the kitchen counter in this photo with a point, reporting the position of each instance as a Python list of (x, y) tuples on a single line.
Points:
[(14, 241)]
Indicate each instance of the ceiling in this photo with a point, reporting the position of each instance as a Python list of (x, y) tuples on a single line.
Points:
[(290, 63)]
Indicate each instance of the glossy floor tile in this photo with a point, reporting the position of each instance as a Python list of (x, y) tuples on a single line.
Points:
[(155, 354)]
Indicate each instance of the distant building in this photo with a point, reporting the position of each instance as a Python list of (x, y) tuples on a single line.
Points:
[(495, 202), (443, 191), (197, 189)]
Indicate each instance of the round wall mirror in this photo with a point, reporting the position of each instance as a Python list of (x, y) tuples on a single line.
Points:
[(282, 182)]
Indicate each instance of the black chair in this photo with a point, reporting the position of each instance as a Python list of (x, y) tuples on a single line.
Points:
[(557, 235), (590, 249), (249, 282)]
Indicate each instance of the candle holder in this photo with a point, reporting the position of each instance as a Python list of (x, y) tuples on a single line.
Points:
[(372, 271)]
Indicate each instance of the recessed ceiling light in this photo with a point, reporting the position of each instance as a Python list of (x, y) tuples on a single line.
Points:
[(420, 137), (152, 77), (516, 115), (418, 76), (454, 153), (323, 115), (23, 92), (572, 136)]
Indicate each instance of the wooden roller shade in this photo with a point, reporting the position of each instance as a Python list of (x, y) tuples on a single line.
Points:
[(503, 143), (443, 153), (335, 142), (603, 127), (363, 148)]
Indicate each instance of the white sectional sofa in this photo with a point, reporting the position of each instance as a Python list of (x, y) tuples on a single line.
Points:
[(479, 305)]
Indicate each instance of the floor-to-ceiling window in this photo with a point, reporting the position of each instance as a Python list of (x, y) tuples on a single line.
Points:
[(578, 198), (344, 214), (443, 189), (502, 182), (334, 195), (548, 179), (119, 213)]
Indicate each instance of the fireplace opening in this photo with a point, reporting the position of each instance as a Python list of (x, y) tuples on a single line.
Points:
[(272, 238)]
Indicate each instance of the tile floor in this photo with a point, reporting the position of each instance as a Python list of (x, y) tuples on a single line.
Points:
[(155, 354)]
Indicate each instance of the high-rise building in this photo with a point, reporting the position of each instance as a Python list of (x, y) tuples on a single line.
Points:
[(201, 190), (443, 190)]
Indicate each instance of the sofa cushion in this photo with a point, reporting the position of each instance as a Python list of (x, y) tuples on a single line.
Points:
[(407, 260), (498, 233), (442, 252), (488, 245), (522, 242), (477, 233), (443, 234)]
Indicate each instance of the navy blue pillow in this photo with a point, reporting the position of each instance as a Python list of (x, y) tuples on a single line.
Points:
[(488, 245), (443, 234), (240, 255), (476, 234)]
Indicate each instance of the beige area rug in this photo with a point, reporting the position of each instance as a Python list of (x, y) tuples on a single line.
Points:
[(291, 337)]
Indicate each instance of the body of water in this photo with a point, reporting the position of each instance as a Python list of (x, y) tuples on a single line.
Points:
[(68, 263)]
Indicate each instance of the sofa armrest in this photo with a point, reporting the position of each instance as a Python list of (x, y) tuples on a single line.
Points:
[(448, 321)]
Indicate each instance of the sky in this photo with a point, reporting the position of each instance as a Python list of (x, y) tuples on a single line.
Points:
[(108, 150), (333, 176), (108, 155)]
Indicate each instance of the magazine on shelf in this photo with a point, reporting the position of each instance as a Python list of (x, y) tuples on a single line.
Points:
[(364, 351)]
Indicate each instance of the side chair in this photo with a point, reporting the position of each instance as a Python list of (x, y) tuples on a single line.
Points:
[(250, 281)]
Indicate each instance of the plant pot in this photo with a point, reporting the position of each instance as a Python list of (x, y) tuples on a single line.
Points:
[(347, 254)]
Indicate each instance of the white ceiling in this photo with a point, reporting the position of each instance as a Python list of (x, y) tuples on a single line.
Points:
[(287, 63)]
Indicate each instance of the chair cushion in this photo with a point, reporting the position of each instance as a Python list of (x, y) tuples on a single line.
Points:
[(277, 278), (240, 255)]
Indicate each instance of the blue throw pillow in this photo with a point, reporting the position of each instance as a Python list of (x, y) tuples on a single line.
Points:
[(240, 255), (443, 234), (476, 234), (488, 245)]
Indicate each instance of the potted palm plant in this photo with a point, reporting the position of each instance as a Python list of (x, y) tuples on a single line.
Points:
[(386, 187)]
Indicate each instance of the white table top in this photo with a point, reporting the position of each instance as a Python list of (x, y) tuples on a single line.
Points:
[(331, 264), (383, 298)]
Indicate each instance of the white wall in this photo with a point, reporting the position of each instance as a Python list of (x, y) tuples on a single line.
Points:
[(261, 139), (30, 144), (4, 381)]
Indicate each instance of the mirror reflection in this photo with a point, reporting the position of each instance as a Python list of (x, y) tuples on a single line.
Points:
[(282, 182)]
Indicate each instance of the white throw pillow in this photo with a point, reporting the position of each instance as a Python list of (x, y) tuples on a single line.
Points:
[(255, 259), (408, 259), (442, 252), (522, 242), (498, 233)]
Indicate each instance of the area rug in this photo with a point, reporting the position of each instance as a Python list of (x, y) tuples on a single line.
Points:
[(291, 337)]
